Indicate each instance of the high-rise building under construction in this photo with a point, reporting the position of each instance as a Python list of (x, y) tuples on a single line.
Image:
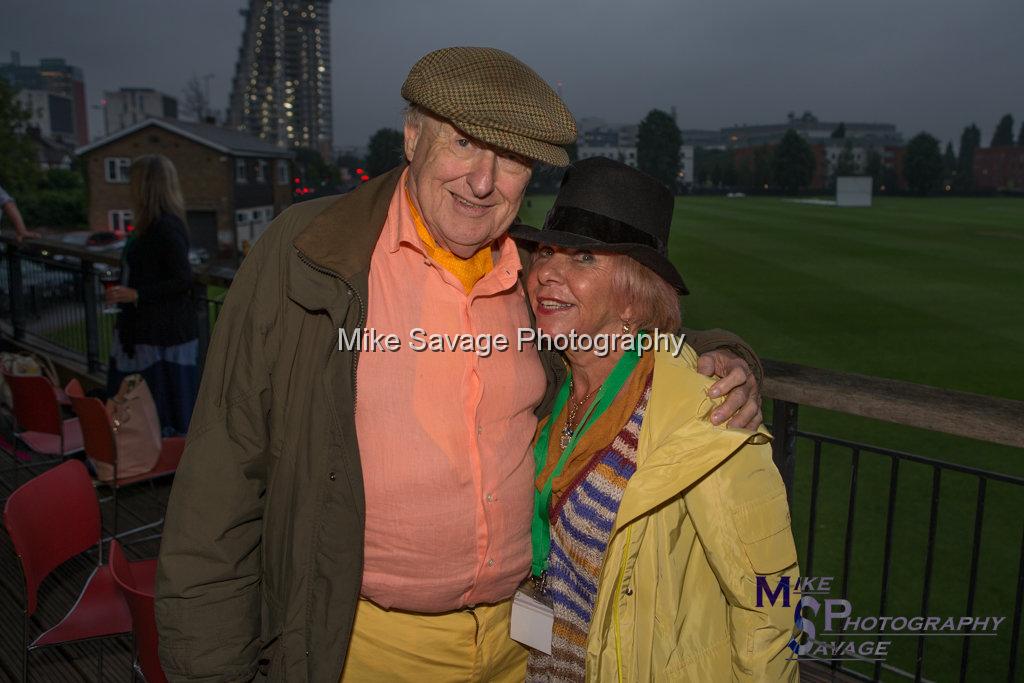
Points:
[(281, 91)]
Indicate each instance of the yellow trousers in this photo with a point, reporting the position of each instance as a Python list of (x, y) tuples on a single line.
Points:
[(463, 646)]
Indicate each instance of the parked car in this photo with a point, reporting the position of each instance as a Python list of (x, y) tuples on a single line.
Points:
[(105, 240), (100, 242), (197, 256)]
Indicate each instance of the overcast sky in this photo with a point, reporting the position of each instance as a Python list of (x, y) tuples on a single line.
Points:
[(933, 65)]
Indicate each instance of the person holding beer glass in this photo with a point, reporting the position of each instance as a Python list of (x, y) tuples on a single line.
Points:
[(157, 329)]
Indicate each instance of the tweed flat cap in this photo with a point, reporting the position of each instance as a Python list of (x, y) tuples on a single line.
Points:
[(496, 98)]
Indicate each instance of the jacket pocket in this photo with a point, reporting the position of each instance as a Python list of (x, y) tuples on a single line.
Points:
[(764, 528)]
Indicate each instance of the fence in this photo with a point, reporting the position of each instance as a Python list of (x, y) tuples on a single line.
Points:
[(51, 298), (868, 488)]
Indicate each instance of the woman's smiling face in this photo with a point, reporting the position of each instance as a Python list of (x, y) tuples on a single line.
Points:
[(574, 290)]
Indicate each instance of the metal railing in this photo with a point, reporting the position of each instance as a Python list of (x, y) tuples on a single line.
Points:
[(866, 508), (875, 518), (51, 299)]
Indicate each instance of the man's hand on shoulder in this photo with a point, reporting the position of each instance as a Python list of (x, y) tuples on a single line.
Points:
[(742, 406)]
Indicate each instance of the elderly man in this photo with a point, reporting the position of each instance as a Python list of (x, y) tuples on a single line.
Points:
[(368, 510)]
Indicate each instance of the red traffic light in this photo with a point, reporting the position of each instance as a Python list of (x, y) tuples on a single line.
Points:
[(359, 171), (364, 177)]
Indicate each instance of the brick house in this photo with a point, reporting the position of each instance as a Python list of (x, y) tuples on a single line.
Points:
[(234, 184), (999, 168)]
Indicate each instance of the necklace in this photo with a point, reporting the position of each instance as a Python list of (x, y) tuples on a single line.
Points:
[(570, 428)]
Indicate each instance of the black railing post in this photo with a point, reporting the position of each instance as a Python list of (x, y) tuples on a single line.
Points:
[(14, 289), (92, 325), (784, 420)]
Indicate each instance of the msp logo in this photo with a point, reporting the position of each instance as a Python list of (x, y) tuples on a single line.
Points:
[(845, 636)]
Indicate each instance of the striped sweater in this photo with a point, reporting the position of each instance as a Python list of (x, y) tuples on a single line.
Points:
[(580, 529)]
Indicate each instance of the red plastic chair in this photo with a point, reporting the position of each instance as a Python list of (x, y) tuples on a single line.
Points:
[(100, 445), (51, 519), (136, 580), (39, 422)]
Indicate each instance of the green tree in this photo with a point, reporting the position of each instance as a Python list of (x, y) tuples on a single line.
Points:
[(386, 150), (873, 168), (1003, 137), (949, 164), (846, 164), (657, 148), (840, 131), (922, 165), (970, 140), (19, 171), (315, 172), (793, 164)]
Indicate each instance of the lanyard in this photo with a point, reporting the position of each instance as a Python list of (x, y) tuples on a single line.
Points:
[(540, 528)]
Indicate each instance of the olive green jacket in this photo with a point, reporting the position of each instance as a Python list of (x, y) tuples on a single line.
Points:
[(261, 560)]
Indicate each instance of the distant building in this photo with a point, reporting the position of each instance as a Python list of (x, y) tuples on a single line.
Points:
[(51, 153), (129, 106), (707, 139), (281, 91), (234, 184), (687, 166), (813, 130), (51, 114), (999, 168), (54, 93), (612, 142)]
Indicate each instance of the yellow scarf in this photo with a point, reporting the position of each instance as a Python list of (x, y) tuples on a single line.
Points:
[(469, 271)]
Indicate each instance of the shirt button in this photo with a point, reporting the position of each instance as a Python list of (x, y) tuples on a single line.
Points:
[(479, 430), (628, 591), (490, 497), (490, 563), (332, 476)]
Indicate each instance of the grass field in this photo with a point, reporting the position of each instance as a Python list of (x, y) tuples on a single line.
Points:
[(923, 290)]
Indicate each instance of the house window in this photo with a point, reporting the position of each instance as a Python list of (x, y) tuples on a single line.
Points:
[(118, 169), (240, 171), (119, 220), (282, 172), (261, 171)]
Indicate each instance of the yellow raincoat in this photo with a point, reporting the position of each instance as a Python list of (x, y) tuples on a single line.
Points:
[(702, 517)]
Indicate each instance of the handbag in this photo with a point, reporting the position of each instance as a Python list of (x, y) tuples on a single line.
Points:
[(136, 431), (24, 365)]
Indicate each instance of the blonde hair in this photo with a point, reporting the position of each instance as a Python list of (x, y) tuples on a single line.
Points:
[(155, 190), (655, 302)]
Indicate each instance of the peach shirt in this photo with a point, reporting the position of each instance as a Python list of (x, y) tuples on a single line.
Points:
[(444, 437)]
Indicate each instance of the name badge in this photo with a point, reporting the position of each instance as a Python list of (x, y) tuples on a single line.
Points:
[(532, 622)]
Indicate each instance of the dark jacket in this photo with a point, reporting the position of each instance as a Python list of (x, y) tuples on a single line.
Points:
[(262, 553), (159, 270)]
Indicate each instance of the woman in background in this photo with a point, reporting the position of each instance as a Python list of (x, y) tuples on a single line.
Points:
[(157, 328)]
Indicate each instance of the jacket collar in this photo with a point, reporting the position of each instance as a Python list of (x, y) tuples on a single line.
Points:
[(338, 242), (341, 238)]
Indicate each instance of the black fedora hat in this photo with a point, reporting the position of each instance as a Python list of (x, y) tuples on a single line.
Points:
[(608, 206)]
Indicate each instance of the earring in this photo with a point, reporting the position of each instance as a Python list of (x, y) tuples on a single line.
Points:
[(625, 328)]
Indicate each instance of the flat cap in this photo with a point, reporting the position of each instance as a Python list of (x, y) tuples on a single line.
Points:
[(496, 98)]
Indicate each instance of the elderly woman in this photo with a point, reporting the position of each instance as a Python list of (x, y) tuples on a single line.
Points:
[(651, 525)]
